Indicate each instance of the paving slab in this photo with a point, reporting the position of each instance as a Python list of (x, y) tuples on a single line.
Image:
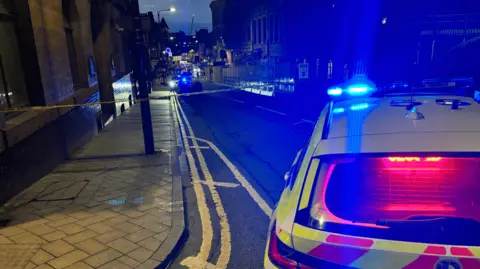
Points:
[(108, 206)]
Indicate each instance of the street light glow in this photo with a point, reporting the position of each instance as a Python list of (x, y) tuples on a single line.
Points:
[(171, 38), (172, 9)]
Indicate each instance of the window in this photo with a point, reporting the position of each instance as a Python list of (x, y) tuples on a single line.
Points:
[(276, 29), (297, 163), (113, 68), (254, 28), (400, 187), (259, 30), (92, 73), (397, 192), (13, 89), (264, 23), (4, 94), (259, 23), (70, 15), (72, 56), (330, 69), (271, 29), (346, 72)]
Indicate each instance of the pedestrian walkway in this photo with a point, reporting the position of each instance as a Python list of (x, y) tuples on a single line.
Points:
[(109, 206)]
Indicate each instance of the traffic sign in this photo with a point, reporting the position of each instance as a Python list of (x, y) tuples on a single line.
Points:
[(303, 71)]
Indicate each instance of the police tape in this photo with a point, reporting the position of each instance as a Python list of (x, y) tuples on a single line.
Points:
[(40, 108)]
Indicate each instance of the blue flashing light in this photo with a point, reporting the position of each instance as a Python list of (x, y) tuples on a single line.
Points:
[(360, 106), (335, 91), (184, 80), (338, 110), (358, 89)]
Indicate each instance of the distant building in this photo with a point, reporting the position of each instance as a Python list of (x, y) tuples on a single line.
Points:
[(182, 43), (249, 29), (151, 34), (340, 38), (218, 18)]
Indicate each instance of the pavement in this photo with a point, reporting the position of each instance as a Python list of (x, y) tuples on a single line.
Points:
[(108, 206)]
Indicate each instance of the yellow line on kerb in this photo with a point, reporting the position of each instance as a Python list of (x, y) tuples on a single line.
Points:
[(207, 233), (225, 237)]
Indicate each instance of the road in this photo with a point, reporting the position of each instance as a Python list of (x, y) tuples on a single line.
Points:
[(238, 154)]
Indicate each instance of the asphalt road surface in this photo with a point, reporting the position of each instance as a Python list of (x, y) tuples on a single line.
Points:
[(241, 152)]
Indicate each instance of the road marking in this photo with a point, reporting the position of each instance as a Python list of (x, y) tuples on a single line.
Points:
[(308, 121), (204, 92), (199, 147), (207, 233), (238, 101), (196, 262), (243, 181), (271, 110), (225, 237), (218, 184)]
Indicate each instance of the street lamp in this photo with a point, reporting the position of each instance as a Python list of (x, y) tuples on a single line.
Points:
[(172, 9)]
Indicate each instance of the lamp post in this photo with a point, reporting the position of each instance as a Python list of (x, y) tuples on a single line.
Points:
[(172, 9), (140, 74)]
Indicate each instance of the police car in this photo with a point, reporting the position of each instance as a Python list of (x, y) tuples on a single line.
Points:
[(185, 84), (389, 179)]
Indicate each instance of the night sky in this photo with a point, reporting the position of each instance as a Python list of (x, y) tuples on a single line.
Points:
[(181, 19)]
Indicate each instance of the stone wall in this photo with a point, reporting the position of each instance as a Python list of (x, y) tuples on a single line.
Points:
[(34, 142), (38, 154), (49, 32)]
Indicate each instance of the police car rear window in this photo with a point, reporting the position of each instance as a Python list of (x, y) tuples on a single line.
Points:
[(402, 188)]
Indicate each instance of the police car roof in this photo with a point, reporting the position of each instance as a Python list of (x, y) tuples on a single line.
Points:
[(382, 125)]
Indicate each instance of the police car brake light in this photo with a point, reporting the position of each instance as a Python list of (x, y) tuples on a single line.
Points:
[(276, 252), (413, 159)]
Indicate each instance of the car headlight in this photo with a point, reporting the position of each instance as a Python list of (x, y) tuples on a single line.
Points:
[(171, 84)]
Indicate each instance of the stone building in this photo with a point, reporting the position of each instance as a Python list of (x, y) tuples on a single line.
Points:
[(58, 52)]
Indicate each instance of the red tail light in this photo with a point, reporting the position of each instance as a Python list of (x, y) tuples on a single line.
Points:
[(274, 253)]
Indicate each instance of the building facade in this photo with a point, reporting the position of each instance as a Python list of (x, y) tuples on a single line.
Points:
[(341, 38), (54, 53)]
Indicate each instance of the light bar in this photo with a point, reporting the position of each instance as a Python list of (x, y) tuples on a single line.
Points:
[(335, 91), (338, 110), (360, 89), (360, 106), (352, 90)]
